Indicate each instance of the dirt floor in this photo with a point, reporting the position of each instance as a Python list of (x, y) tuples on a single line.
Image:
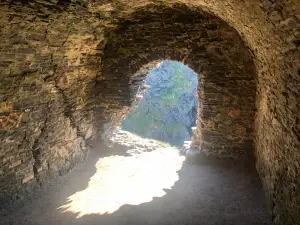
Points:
[(144, 183)]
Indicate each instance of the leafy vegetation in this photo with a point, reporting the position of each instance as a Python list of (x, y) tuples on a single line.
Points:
[(168, 109)]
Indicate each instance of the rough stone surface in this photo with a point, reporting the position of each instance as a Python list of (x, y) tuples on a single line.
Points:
[(169, 192), (198, 40), (65, 68)]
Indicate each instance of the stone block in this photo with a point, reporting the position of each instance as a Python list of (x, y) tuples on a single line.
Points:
[(27, 178), (14, 164)]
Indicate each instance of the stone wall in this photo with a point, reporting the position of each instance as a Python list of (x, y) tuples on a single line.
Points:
[(41, 83), (66, 66), (208, 46)]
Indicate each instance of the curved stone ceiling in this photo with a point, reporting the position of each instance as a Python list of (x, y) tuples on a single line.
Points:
[(65, 68)]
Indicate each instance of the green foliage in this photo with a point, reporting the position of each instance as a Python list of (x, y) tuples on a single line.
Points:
[(170, 95), (170, 82)]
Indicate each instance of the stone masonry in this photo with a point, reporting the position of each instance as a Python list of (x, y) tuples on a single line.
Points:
[(65, 68)]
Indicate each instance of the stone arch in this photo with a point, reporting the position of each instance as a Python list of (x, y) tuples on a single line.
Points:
[(48, 42), (209, 46)]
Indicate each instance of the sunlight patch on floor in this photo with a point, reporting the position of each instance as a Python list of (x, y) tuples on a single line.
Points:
[(122, 180)]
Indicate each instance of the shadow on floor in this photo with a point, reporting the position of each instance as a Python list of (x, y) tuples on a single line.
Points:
[(209, 191)]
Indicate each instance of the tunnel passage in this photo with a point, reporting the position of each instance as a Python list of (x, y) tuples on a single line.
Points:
[(56, 94), (211, 48)]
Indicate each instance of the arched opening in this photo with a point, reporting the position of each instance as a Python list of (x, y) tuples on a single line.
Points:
[(205, 43), (166, 104), (226, 85), (53, 54)]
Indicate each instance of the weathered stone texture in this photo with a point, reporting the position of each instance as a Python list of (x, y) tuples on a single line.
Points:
[(67, 65), (39, 64), (209, 46)]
